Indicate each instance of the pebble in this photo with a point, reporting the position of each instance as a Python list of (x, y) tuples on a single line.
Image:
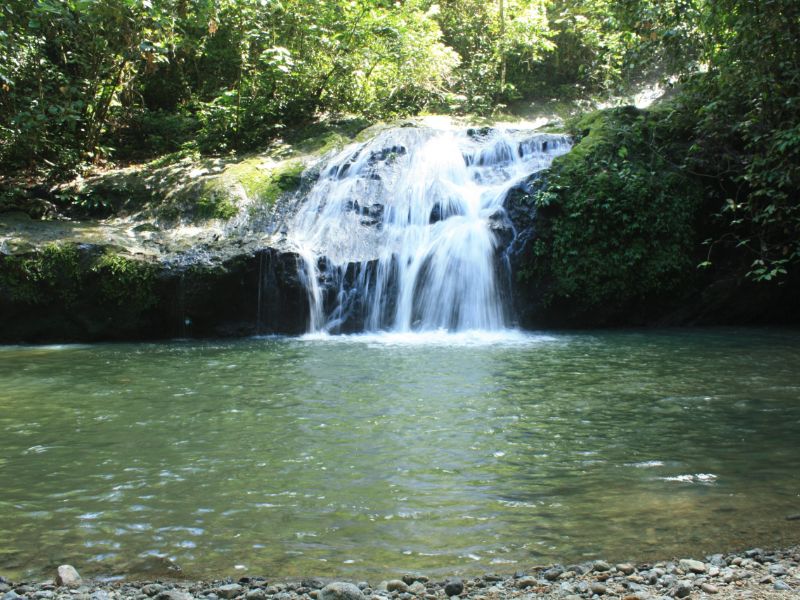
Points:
[(396, 585), (553, 573), (229, 591), (259, 594), (682, 590), (417, 588), (526, 582), (626, 568), (598, 588), (152, 589), (339, 590), (782, 586), (777, 570), (601, 566), (709, 589), (454, 587), (67, 576), (694, 566)]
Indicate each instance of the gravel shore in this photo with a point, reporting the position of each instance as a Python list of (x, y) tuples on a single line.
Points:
[(755, 574)]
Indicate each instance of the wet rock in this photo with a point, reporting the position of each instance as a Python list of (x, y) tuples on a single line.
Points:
[(598, 588), (454, 587), (12, 595), (67, 576), (339, 590), (417, 588), (689, 565), (174, 595), (682, 590), (396, 585), (626, 568), (526, 582), (601, 566), (778, 570), (229, 591), (553, 573)]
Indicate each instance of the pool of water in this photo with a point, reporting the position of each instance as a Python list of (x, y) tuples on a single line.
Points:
[(375, 455)]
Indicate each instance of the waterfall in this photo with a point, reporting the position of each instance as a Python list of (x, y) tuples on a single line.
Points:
[(407, 231)]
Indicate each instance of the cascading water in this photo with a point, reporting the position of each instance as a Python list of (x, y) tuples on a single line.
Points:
[(407, 231)]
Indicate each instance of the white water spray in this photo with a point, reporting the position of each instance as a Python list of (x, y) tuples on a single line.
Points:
[(405, 231)]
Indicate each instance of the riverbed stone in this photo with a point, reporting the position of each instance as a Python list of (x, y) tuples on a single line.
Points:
[(553, 573), (689, 565), (683, 589), (339, 590), (11, 595), (778, 570), (626, 568), (598, 588), (417, 588), (601, 566), (782, 586), (397, 585), (526, 582), (258, 594), (174, 595), (67, 576), (229, 591), (454, 587)]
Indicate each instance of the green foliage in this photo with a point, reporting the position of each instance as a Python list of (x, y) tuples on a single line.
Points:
[(126, 282), (615, 224), (52, 274)]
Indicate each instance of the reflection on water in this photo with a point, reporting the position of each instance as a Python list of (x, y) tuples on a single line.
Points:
[(376, 455)]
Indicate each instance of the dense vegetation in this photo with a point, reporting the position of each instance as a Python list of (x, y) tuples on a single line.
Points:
[(90, 81)]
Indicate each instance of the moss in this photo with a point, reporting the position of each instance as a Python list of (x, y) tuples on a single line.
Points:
[(126, 282), (214, 201), (615, 225), (53, 274)]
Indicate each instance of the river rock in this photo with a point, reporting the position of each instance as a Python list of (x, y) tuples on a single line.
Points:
[(99, 595), (601, 566), (526, 582), (682, 590), (782, 586), (709, 589), (12, 595), (553, 573), (152, 589), (174, 595), (67, 576), (454, 587), (598, 588), (417, 588), (229, 591), (397, 585), (313, 583), (694, 566), (626, 568), (778, 570), (339, 590), (258, 594)]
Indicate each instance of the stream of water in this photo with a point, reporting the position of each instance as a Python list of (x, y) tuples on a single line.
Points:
[(409, 229), (373, 455)]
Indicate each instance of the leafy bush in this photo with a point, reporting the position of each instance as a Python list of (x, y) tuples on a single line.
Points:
[(615, 224)]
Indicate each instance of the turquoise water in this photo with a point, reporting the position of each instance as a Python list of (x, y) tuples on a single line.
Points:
[(373, 456)]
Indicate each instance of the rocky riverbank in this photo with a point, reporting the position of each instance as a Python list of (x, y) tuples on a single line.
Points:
[(755, 574)]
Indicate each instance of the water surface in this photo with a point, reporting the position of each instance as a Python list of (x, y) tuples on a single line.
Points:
[(375, 455)]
